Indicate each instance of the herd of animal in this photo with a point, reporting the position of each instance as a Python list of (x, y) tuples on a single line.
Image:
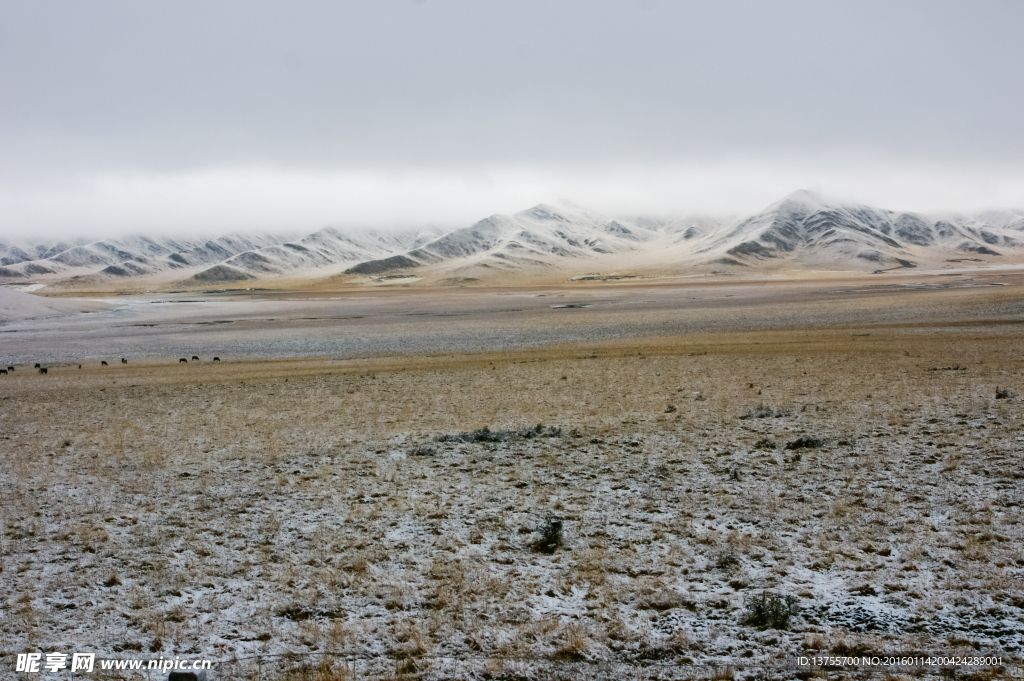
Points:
[(103, 363)]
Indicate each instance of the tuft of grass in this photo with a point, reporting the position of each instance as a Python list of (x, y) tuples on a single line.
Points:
[(723, 674), (574, 649), (770, 610), (728, 561)]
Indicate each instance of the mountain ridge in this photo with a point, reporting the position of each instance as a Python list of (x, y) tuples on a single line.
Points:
[(800, 231)]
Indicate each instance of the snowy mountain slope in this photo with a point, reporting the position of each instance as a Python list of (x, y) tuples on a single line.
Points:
[(803, 230), (123, 256), (539, 236), (326, 248), (242, 256)]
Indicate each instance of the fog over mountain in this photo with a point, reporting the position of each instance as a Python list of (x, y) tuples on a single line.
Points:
[(191, 118), (801, 231)]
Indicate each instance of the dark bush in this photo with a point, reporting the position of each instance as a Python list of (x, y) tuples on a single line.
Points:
[(550, 535), (1002, 394), (765, 444), (806, 443), (771, 610), (485, 434), (423, 451)]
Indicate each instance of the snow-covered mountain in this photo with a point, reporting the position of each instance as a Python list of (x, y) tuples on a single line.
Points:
[(230, 258), (538, 237), (803, 230), (123, 256)]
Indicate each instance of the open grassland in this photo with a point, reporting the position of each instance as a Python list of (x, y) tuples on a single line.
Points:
[(324, 518)]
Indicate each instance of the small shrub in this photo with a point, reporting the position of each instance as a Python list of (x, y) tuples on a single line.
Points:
[(771, 610), (550, 535), (670, 409), (1002, 394), (727, 561), (806, 443), (423, 451), (765, 444)]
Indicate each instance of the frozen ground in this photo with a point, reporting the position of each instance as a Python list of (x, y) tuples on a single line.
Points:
[(319, 518)]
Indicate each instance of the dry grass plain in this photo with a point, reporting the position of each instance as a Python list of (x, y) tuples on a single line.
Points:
[(305, 518)]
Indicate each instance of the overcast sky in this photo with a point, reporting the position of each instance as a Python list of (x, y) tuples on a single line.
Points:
[(212, 116)]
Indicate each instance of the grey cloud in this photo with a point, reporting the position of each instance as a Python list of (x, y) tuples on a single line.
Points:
[(90, 89)]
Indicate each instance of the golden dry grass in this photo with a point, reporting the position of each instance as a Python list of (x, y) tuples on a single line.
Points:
[(273, 507)]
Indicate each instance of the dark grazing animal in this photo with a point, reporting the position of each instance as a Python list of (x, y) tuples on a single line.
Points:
[(10, 368), (42, 370), (194, 358), (37, 366), (124, 361), (3, 371), (216, 359), (182, 360), (104, 364)]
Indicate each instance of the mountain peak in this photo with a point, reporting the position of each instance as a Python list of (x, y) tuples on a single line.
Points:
[(542, 212), (804, 197)]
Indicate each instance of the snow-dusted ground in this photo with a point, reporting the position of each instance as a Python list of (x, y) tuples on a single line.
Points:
[(279, 515), (353, 325)]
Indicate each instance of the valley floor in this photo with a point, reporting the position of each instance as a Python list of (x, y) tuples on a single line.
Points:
[(397, 514)]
